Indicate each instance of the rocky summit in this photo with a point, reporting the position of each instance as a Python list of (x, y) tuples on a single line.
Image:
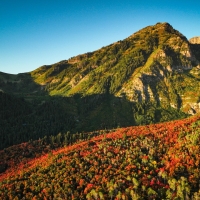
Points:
[(195, 40)]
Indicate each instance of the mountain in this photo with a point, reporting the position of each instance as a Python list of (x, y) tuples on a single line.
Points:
[(151, 76), (195, 40), (158, 161)]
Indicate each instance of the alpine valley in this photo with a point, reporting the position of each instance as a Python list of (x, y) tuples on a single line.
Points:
[(122, 122)]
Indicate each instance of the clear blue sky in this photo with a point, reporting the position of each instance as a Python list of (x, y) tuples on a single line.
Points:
[(38, 32)]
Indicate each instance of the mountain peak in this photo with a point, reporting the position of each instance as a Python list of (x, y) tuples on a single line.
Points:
[(164, 24), (160, 29)]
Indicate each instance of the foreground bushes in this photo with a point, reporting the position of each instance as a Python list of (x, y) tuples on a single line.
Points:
[(147, 162)]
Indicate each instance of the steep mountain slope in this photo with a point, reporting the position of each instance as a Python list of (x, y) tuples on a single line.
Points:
[(151, 76), (155, 64), (159, 161)]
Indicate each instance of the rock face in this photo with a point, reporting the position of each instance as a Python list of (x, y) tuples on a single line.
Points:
[(195, 40)]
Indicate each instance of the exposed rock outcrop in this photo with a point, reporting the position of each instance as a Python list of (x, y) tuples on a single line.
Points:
[(195, 40)]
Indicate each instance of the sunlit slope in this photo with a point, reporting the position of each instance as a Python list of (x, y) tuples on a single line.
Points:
[(155, 64)]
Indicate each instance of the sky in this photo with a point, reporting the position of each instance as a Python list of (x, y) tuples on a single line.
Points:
[(42, 32)]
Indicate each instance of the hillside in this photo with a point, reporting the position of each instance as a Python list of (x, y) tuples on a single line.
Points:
[(143, 67), (155, 48), (151, 76), (150, 65), (159, 161)]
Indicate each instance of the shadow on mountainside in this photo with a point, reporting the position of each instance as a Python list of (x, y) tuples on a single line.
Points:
[(196, 50), (28, 112)]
